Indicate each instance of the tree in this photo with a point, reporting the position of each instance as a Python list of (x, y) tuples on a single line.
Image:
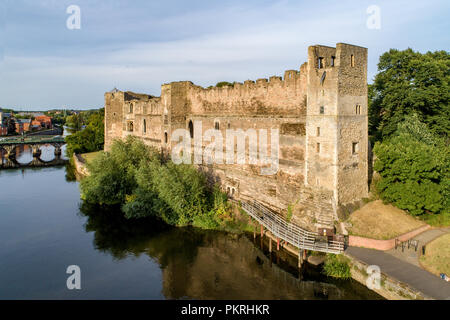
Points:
[(224, 83), (410, 82), (11, 124), (91, 138), (135, 176), (414, 166), (112, 176)]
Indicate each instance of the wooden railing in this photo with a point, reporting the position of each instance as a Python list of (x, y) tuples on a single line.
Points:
[(291, 233)]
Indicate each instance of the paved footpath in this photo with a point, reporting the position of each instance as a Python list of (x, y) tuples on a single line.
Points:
[(411, 255), (422, 280)]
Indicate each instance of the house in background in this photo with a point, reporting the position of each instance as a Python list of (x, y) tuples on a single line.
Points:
[(23, 125), (3, 129), (43, 121), (5, 118)]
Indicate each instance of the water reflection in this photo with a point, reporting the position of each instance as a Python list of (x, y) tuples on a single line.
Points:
[(199, 264)]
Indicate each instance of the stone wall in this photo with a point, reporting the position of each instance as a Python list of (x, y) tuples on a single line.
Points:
[(390, 288), (356, 241)]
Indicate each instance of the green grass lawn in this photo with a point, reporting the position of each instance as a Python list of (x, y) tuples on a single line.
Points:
[(379, 221), (437, 255), (88, 157)]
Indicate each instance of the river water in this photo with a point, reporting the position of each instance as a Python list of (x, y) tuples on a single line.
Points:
[(44, 228)]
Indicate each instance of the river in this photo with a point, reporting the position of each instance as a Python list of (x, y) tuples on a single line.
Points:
[(45, 227)]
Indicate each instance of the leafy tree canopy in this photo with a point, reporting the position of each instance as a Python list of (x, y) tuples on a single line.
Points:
[(91, 138), (410, 82), (414, 165)]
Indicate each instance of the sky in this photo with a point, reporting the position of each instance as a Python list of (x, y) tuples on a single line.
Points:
[(138, 45)]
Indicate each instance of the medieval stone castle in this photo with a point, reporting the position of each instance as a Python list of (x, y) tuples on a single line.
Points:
[(320, 111)]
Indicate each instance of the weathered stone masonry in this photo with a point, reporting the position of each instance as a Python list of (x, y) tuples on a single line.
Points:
[(321, 114)]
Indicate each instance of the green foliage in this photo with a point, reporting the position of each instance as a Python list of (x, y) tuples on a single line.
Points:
[(223, 84), (289, 212), (414, 168), (337, 266), (410, 82), (75, 121), (134, 176), (113, 174), (89, 139)]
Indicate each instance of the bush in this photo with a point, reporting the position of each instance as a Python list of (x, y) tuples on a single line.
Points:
[(134, 176), (337, 266)]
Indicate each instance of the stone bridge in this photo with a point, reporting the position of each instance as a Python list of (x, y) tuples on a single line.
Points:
[(10, 145)]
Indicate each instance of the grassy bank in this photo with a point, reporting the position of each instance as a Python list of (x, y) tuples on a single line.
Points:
[(437, 256), (376, 220), (90, 156)]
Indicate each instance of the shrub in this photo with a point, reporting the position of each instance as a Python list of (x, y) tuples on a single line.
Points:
[(135, 176), (337, 266)]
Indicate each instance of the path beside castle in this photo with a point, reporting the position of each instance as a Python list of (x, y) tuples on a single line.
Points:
[(404, 266)]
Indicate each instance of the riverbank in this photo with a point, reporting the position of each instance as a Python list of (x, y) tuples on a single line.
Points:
[(80, 166)]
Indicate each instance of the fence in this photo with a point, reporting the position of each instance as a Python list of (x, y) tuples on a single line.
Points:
[(291, 233)]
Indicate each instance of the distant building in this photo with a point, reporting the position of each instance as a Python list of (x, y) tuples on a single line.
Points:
[(43, 121), (23, 125), (3, 130), (4, 120)]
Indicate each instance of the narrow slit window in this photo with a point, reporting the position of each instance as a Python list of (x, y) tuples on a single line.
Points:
[(352, 58), (320, 62), (322, 109), (318, 147), (355, 147), (191, 129), (332, 60), (165, 137), (144, 126), (318, 131)]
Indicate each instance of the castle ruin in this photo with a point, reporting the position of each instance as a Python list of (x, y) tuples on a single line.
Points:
[(319, 110)]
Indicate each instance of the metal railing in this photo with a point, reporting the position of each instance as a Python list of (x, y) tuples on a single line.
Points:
[(291, 233), (31, 140)]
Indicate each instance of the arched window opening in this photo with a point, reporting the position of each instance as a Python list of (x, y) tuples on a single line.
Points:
[(165, 137)]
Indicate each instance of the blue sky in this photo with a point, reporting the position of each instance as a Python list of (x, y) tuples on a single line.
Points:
[(138, 45)]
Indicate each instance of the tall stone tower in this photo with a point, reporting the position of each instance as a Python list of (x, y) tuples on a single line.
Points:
[(114, 116), (336, 121)]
